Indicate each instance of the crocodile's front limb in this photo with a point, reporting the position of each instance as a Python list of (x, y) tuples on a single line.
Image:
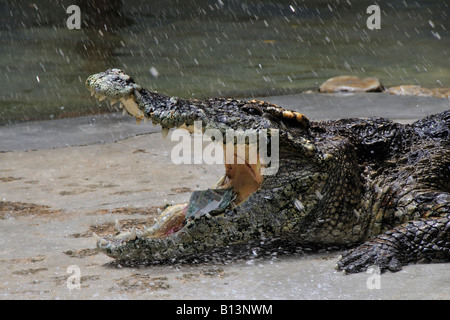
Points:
[(424, 240), (409, 204)]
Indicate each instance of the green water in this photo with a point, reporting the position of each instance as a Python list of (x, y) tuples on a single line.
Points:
[(211, 48)]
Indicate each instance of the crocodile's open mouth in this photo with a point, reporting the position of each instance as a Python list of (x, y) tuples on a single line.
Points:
[(239, 182), (241, 179)]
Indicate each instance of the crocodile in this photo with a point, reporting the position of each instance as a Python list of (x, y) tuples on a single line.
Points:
[(376, 188)]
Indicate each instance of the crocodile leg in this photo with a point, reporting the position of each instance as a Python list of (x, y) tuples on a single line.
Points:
[(424, 240), (409, 209), (410, 216)]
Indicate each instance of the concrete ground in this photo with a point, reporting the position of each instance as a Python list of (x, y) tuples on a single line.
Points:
[(62, 180)]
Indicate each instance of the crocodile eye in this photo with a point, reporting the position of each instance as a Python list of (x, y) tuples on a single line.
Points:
[(252, 109)]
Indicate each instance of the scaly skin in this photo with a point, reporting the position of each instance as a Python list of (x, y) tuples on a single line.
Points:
[(374, 184)]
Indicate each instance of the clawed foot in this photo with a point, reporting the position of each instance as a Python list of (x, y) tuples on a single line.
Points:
[(377, 252)]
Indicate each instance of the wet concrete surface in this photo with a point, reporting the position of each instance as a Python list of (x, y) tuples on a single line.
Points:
[(62, 180)]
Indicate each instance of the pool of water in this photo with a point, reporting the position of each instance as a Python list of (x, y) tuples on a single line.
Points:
[(211, 48)]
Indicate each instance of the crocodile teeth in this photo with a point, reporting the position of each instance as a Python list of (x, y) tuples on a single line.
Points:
[(101, 98), (124, 112), (132, 235), (99, 239), (117, 225), (219, 183), (164, 132), (138, 120), (132, 107), (114, 101)]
